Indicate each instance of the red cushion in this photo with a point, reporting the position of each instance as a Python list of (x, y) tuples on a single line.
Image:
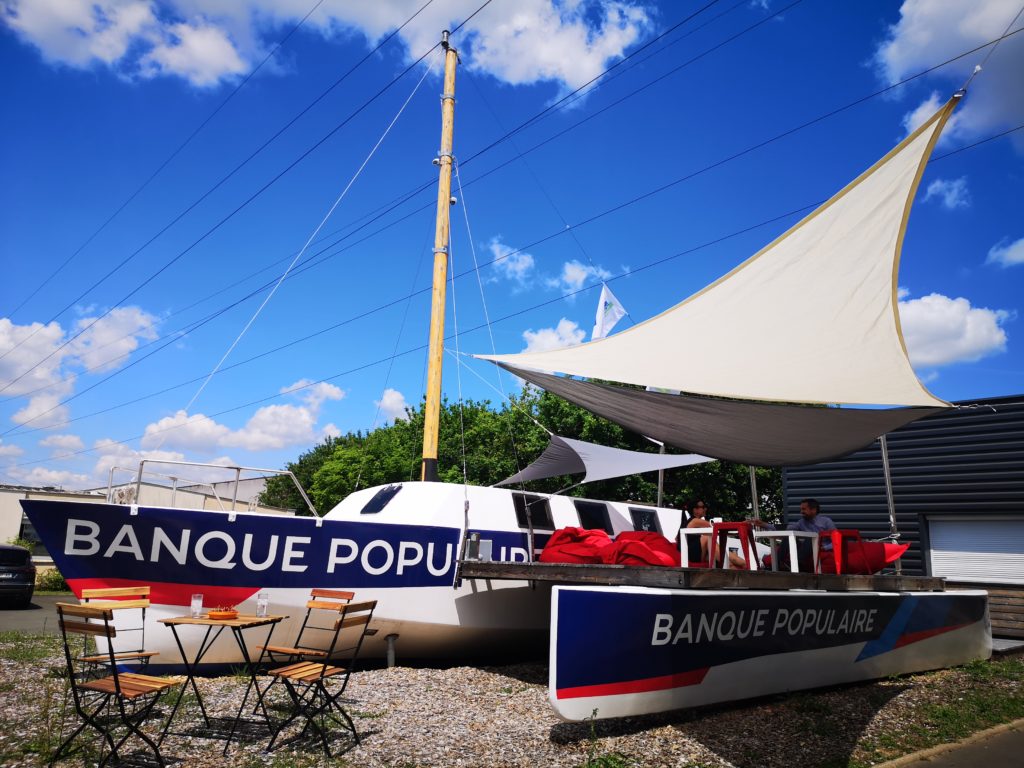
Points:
[(864, 557), (575, 545), (642, 548)]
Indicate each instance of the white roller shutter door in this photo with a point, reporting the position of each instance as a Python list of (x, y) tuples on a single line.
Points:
[(978, 549)]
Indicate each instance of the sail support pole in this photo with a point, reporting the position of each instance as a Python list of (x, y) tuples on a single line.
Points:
[(754, 508), (894, 531), (435, 354)]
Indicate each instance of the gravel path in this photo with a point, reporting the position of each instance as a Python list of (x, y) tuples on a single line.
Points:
[(499, 716)]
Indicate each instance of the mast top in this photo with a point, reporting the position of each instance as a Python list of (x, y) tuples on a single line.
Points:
[(444, 39)]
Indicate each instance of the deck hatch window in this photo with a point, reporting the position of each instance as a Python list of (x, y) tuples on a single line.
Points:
[(644, 519), (594, 515), (540, 511), (380, 500)]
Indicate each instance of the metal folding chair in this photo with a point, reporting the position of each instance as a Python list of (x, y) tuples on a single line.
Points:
[(315, 687), (321, 601), (107, 704)]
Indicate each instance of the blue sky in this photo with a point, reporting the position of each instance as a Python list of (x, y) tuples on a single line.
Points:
[(100, 94)]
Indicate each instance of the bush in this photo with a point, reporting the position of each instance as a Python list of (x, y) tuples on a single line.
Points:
[(50, 580), (18, 541)]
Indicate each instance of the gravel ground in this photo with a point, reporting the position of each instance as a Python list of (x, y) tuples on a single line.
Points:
[(499, 716)]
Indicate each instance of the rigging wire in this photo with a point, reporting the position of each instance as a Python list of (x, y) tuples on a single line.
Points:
[(273, 51), (17, 429), (309, 240), (988, 55), (458, 373), (483, 302), (224, 220)]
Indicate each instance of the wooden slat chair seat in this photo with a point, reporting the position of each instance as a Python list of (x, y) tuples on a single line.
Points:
[(330, 601), (100, 702), (315, 687), (132, 598)]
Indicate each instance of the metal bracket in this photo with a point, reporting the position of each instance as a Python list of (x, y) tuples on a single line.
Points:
[(448, 96), (443, 249), (133, 510)]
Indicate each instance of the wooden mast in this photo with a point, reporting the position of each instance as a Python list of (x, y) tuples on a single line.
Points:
[(441, 229)]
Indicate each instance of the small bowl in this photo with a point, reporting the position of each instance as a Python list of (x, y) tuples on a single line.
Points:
[(223, 613)]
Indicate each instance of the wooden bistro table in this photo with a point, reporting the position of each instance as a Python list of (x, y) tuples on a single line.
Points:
[(214, 628), (774, 539)]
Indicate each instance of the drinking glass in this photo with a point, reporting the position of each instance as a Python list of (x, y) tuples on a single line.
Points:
[(262, 603), (197, 606)]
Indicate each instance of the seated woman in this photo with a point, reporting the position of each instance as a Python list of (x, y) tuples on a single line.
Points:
[(699, 510)]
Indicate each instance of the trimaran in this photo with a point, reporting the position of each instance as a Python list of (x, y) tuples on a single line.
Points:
[(400, 544)]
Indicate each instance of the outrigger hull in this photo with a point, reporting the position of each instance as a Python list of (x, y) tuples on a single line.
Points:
[(623, 651)]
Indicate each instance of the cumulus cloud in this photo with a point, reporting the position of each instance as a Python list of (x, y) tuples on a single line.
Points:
[(270, 427), (565, 334), (38, 364), (1006, 254), (9, 451), (575, 274), (509, 263), (392, 404), (930, 32), (952, 193), (61, 444), (567, 42), (941, 331), (56, 478), (106, 343)]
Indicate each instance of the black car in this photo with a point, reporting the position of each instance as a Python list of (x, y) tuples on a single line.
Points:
[(17, 575)]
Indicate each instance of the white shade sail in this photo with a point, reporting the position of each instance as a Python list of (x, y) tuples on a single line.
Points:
[(811, 318), (565, 456)]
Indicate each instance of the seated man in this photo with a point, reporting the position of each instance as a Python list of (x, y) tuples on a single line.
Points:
[(811, 521), (699, 520)]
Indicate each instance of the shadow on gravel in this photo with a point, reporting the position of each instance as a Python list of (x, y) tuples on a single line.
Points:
[(822, 726)]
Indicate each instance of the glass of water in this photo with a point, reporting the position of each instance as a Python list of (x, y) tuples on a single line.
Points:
[(197, 605), (262, 603)]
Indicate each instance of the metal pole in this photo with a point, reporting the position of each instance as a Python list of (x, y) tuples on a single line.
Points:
[(893, 528), (753, 495), (661, 477)]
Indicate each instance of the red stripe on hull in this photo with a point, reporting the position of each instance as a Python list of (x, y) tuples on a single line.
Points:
[(914, 637), (660, 683), (167, 593)]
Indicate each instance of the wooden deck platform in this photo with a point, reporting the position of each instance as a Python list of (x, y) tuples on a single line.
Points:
[(693, 578)]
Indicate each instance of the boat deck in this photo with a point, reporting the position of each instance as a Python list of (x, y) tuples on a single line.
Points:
[(694, 578)]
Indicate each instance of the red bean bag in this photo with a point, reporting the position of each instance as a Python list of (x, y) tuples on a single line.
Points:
[(863, 557), (575, 545), (642, 548)]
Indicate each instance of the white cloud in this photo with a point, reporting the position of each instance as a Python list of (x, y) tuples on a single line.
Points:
[(929, 32), (509, 263), (61, 444), (114, 454), (565, 334), (10, 451), (38, 366), (196, 432), (41, 476), (941, 331), (106, 343), (202, 54), (575, 274), (330, 430), (392, 404), (952, 193), (270, 427), (25, 346), (567, 42), (1005, 253)]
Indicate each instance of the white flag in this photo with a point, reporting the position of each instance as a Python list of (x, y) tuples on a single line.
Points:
[(609, 312)]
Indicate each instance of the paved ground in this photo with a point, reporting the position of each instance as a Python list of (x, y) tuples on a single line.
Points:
[(41, 616), (1001, 750)]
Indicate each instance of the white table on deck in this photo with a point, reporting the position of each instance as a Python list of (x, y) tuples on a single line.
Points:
[(774, 536)]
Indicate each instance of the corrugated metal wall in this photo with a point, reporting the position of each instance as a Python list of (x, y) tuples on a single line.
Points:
[(969, 460)]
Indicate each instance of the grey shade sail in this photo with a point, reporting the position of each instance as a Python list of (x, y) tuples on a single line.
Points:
[(742, 431), (565, 456)]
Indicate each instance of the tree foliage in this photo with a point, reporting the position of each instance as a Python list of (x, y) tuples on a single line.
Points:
[(489, 444)]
